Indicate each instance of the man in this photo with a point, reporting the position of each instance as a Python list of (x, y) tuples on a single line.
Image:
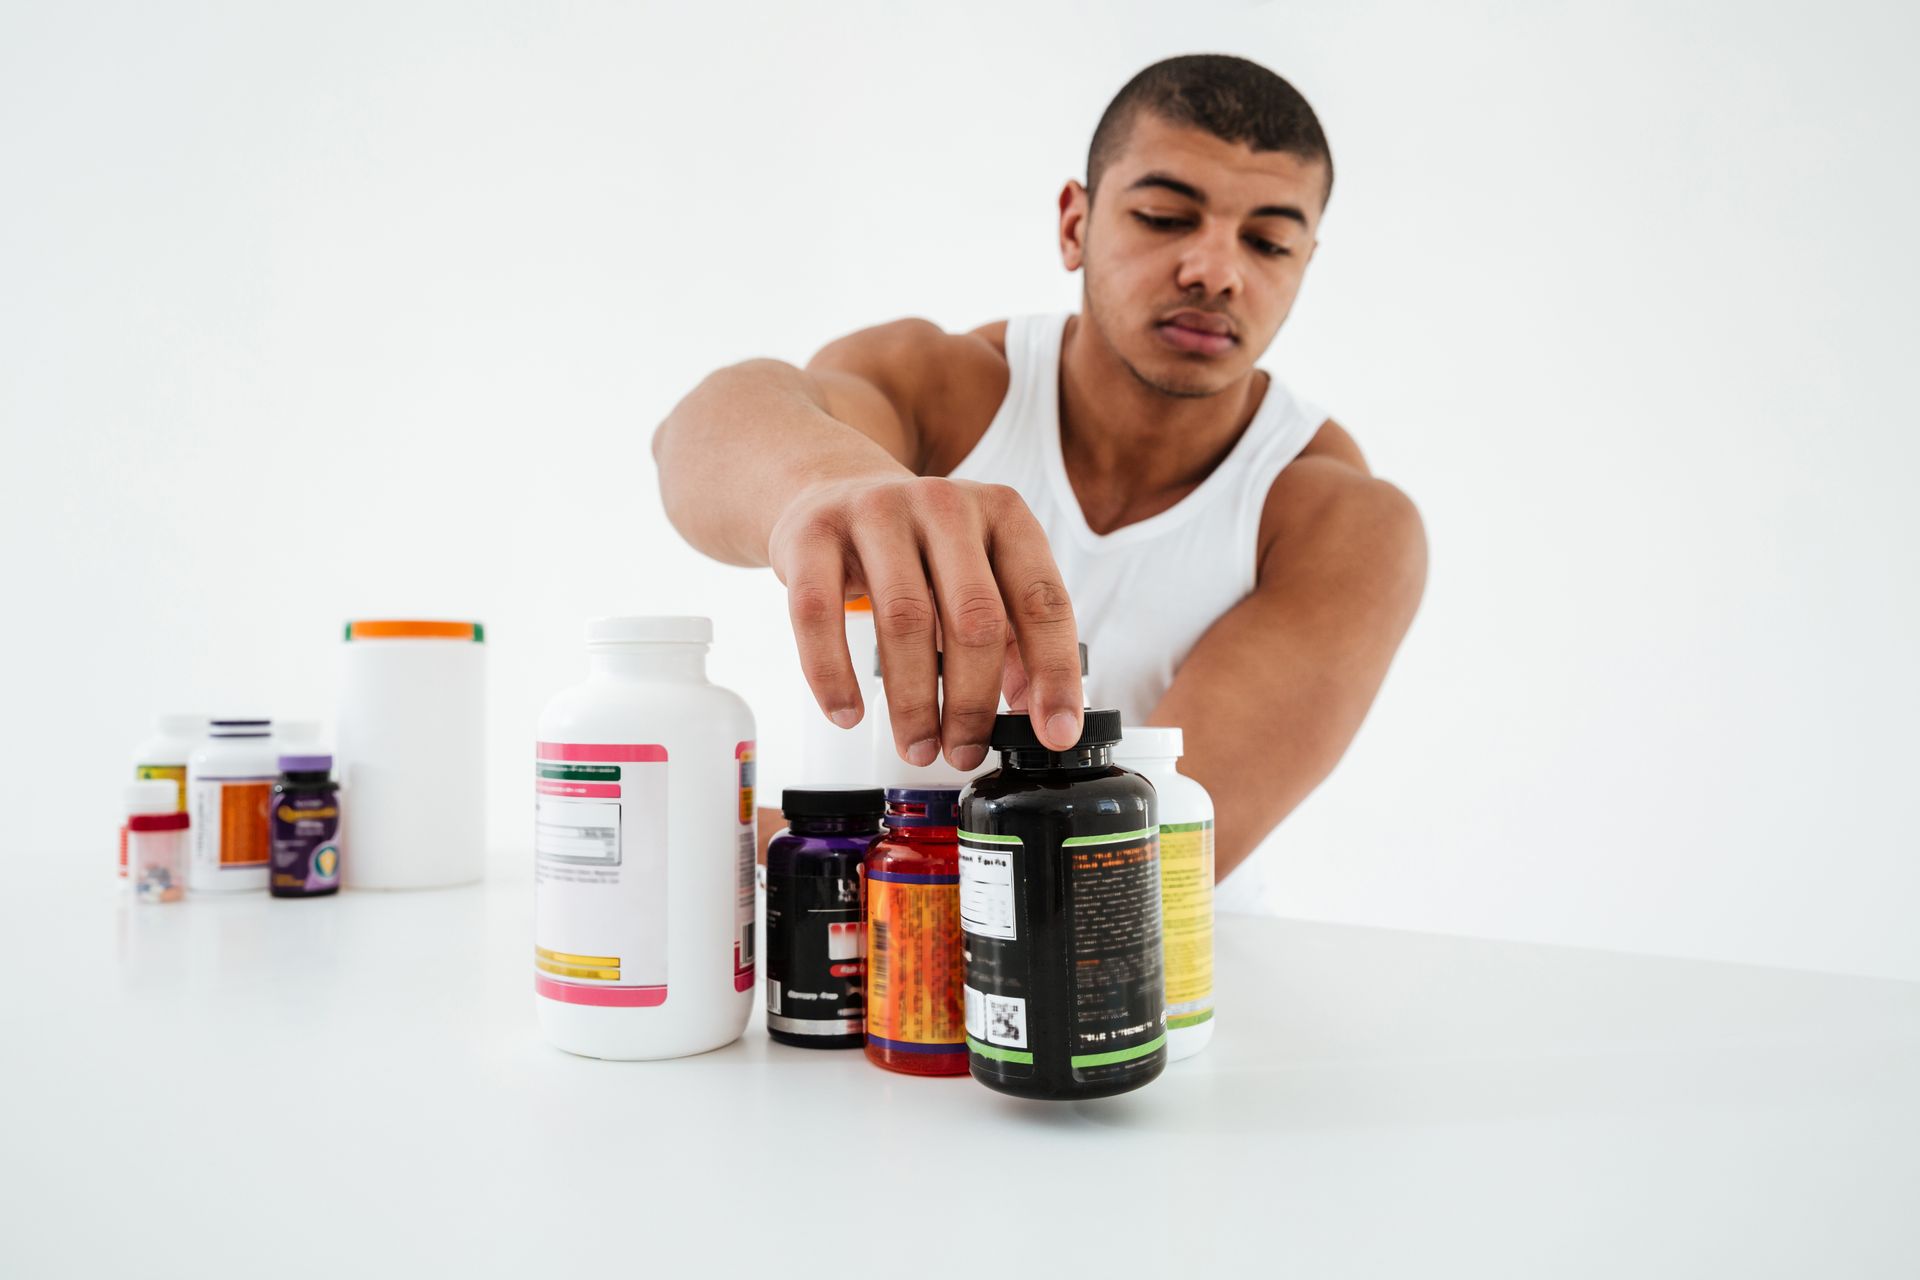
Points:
[(1126, 474)]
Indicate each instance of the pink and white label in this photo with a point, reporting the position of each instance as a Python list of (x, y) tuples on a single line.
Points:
[(746, 848), (600, 873)]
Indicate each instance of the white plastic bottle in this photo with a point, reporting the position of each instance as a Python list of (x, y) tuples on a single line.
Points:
[(644, 849), (829, 754), (163, 756), (230, 778), (1186, 883), (156, 841), (165, 752), (410, 738)]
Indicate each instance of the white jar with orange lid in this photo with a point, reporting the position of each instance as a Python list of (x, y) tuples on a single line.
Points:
[(411, 752)]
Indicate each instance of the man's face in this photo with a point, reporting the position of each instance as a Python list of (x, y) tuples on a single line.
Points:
[(1194, 251)]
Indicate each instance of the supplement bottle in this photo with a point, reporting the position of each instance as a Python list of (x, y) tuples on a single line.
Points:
[(1186, 883), (410, 733), (916, 962), (643, 849), (230, 778), (828, 754), (164, 755), (816, 935), (156, 841), (1060, 903), (306, 829)]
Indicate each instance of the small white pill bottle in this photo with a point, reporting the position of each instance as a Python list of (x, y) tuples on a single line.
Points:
[(643, 942), (1186, 883), (156, 840)]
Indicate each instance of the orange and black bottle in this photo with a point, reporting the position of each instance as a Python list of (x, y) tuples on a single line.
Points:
[(916, 967), (1060, 904)]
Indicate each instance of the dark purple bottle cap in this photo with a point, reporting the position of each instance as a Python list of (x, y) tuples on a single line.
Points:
[(923, 806), (306, 764)]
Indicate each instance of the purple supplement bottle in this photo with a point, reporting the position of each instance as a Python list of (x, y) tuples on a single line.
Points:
[(816, 925), (306, 829)]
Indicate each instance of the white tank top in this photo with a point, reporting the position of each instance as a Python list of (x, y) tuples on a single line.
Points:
[(1143, 594)]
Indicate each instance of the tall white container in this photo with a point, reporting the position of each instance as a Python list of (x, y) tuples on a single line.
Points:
[(828, 753), (644, 849), (411, 749), (1186, 883)]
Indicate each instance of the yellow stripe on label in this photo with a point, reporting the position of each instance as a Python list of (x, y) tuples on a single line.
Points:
[(564, 957), (576, 971)]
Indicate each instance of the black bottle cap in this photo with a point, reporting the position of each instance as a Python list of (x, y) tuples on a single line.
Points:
[(833, 802), (1014, 732)]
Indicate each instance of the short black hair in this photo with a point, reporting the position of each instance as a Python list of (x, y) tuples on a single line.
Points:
[(1231, 98)]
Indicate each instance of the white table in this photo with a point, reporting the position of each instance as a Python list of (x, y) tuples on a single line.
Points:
[(257, 1088)]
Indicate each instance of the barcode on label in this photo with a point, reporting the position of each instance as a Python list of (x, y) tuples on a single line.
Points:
[(877, 958)]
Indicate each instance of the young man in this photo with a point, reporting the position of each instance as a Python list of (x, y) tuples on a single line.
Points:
[(1126, 475)]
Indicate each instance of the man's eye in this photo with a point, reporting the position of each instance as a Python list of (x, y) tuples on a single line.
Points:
[(1160, 222), (1268, 247)]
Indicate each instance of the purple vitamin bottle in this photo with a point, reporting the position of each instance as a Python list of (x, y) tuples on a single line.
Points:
[(306, 829), (816, 926)]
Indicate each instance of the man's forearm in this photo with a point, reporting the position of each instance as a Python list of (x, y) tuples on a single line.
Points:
[(743, 444)]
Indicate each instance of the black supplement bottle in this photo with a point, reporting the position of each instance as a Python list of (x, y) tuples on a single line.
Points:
[(816, 924), (1060, 905)]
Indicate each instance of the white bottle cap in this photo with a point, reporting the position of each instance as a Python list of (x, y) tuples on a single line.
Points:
[(1150, 742), (152, 795), (656, 630)]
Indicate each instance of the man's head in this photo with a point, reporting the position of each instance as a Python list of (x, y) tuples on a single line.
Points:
[(1205, 184)]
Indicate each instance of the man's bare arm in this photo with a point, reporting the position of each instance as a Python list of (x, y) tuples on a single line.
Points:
[(1273, 693), (806, 425), (813, 472)]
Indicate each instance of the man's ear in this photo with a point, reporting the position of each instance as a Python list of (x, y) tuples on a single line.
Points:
[(1076, 206)]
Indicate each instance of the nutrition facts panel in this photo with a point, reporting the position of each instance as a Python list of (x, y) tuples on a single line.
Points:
[(579, 831)]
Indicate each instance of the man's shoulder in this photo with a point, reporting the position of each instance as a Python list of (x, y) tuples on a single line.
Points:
[(1328, 513)]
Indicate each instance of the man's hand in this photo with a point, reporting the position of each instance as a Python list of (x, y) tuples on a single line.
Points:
[(953, 568)]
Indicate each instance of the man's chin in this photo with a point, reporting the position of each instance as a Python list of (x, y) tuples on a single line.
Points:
[(1183, 379)]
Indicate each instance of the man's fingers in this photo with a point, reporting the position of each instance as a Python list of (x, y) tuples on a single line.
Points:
[(816, 604), (904, 622), (1042, 616), (973, 624), (1013, 680)]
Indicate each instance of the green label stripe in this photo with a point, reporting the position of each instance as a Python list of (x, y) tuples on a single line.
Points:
[(1185, 826), (581, 772), (995, 1052), (1113, 838), (977, 838), (1117, 1055), (1190, 1020)]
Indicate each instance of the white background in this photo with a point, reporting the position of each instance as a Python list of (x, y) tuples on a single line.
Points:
[(359, 309)]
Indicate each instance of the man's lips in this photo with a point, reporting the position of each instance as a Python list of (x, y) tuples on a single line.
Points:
[(1204, 332)]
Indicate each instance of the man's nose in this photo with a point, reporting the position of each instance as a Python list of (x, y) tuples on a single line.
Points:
[(1210, 264)]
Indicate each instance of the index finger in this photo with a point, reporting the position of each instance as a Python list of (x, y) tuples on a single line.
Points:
[(1043, 625)]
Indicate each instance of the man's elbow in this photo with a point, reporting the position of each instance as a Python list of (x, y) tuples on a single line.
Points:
[(704, 403)]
